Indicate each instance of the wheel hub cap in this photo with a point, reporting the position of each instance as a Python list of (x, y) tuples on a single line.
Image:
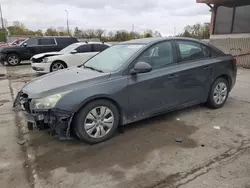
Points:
[(220, 93), (98, 122)]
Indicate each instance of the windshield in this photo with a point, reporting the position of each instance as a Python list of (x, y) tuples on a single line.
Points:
[(70, 48), (113, 58)]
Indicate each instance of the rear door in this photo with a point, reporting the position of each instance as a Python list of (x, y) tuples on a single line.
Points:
[(46, 44), (196, 68)]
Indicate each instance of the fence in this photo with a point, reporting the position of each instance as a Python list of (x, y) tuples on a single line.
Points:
[(237, 44)]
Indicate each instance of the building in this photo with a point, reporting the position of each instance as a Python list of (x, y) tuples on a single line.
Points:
[(230, 27)]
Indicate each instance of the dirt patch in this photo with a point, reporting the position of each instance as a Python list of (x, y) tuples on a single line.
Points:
[(125, 150)]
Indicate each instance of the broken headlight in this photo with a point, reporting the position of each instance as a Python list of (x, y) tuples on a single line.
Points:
[(45, 60), (47, 102)]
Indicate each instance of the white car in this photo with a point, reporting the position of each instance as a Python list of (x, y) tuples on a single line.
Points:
[(73, 55)]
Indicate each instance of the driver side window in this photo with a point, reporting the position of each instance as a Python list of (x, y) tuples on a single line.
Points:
[(32, 42), (159, 55)]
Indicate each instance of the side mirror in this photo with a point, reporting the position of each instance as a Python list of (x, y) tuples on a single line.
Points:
[(73, 52), (141, 67), (25, 44)]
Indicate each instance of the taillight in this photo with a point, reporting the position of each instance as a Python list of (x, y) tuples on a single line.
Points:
[(235, 60)]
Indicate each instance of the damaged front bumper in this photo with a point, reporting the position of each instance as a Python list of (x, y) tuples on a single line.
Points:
[(57, 121)]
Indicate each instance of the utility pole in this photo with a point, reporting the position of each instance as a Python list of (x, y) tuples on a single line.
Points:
[(1, 14), (67, 20), (174, 30)]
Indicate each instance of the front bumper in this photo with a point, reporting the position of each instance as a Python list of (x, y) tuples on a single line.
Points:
[(3, 57), (41, 67), (56, 120)]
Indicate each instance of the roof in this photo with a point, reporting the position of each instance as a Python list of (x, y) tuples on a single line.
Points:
[(225, 2), (155, 39)]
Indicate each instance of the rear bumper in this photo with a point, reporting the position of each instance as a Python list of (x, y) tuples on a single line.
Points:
[(41, 67)]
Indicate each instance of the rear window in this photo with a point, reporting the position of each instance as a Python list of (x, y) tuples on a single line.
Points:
[(66, 41), (47, 41)]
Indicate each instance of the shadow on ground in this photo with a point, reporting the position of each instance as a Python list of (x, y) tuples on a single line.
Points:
[(125, 150)]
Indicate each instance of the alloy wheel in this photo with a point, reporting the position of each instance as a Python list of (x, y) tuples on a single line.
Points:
[(13, 60), (98, 122), (57, 66), (220, 93)]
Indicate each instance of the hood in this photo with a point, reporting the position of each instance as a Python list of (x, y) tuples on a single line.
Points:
[(9, 48), (61, 81), (43, 55)]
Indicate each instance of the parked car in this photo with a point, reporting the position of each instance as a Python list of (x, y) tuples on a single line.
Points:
[(128, 82), (13, 43), (35, 45), (73, 55)]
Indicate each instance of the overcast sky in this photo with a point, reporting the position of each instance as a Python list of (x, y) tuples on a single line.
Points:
[(160, 15)]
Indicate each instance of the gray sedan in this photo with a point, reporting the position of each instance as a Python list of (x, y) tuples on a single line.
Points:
[(128, 82)]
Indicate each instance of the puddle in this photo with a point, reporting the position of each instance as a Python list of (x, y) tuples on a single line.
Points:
[(124, 150)]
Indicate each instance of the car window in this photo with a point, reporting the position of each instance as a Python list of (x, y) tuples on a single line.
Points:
[(190, 50), (84, 48), (158, 56), (99, 47), (207, 52), (66, 41), (32, 41), (47, 41)]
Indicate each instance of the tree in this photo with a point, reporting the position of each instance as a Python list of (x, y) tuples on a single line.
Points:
[(77, 32), (148, 33), (199, 31), (51, 32), (157, 34), (99, 33)]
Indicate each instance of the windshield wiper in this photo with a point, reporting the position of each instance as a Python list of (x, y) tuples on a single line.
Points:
[(92, 68)]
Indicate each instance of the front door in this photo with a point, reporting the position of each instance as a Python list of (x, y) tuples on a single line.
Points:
[(154, 91), (195, 72)]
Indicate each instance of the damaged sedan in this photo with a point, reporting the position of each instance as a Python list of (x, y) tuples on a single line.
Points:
[(127, 82)]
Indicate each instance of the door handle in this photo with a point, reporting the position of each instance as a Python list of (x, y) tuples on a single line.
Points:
[(208, 67), (171, 76)]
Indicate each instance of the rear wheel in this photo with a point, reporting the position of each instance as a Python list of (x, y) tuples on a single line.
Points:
[(57, 65), (219, 93), (96, 122), (13, 59)]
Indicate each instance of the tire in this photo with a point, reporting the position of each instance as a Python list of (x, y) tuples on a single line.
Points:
[(90, 131), (13, 59), (220, 88), (57, 65)]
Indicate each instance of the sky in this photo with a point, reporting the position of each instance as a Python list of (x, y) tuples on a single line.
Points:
[(159, 15)]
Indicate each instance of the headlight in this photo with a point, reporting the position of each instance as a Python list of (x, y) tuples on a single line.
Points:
[(45, 60), (47, 102)]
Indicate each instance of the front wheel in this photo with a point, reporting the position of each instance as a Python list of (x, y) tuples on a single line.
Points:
[(13, 59), (218, 94), (96, 122), (57, 65)]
